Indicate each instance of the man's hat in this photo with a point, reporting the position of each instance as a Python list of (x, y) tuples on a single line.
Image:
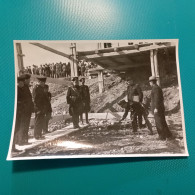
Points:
[(27, 76), (82, 78), (152, 78), (21, 78), (42, 78), (122, 102), (74, 78)]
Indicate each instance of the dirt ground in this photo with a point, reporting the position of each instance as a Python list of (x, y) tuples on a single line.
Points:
[(107, 137)]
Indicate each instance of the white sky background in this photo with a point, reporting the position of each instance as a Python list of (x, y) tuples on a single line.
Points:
[(35, 55)]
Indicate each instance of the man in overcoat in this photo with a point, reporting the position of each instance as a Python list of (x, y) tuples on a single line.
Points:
[(85, 100), (158, 109), (40, 104), (28, 109), (74, 99)]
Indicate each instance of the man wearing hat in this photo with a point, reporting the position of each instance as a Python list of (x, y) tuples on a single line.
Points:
[(40, 103), (19, 113), (74, 99), (48, 110), (158, 109), (135, 94), (85, 99), (133, 107), (28, 109)]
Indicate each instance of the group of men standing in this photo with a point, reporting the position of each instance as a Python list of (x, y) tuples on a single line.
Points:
[(139, 110), (78, 98), (38, 102)]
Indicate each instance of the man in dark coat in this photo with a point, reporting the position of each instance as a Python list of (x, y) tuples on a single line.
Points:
[(48, 110), (19, 113), (85, 100), (158, 109), (134, 93), (40, 103), (74, 99), (135, 108), (28, 109)]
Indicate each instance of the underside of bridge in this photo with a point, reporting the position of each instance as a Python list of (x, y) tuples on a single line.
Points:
[(150, 55)]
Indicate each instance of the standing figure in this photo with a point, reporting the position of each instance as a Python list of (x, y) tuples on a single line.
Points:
[(74, 99), (28, 109), (158, 109), (85, 100), (19, 113), (40, 104), (134, 93), (48, 110)]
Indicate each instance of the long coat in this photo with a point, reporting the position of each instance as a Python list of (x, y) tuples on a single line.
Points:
[(74, 99), (85, 98), (40, 99), (157, 100)]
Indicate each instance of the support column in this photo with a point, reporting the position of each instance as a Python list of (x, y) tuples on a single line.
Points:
[(156, 66), (101, 81), (73, 63), (20, 57), (152, 62)]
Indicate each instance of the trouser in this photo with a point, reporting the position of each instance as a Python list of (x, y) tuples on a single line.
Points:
[(75, 120), (47, 118), (86, 117), (149, 125), (161, 125), (17, 129), (26, 124), (39, 124)]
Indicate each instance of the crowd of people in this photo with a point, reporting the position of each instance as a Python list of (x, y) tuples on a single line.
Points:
[(58, 70), (78, 98)]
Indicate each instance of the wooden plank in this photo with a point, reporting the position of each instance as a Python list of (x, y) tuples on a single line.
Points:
[(54, 51)]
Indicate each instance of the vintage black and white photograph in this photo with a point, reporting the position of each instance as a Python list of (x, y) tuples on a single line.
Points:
[(89, 99)]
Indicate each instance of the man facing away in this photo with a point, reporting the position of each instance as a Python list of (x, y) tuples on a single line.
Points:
[(134, 93), (40, 103), (158, 109), (85, 100), (74, 99)]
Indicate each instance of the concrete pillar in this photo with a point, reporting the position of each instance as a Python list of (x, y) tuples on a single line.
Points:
[(101, 81), (156, 66), (20, 57), (73, 63)]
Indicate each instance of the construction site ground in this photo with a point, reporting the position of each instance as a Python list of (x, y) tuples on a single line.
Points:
[(105, 135)]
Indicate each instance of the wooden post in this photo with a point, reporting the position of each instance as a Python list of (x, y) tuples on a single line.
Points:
[(101, 81), (73, 63), (156, 66), (152, 62), (20, 57)]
